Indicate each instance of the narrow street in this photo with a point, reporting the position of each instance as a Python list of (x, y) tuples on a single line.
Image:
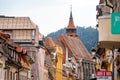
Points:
[(67, 54)]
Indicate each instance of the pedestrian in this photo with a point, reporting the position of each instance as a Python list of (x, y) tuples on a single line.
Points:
[(93, 77)]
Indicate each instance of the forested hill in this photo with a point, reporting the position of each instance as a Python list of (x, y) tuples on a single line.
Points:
[(89, 36)]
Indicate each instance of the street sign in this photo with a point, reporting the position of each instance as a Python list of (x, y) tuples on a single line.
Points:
[(104, 75), (115, 23)]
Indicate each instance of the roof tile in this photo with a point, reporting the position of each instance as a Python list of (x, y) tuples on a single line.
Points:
[(76, 47), (16, 23)]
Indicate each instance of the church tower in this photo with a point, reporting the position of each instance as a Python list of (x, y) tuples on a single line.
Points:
[(71, 30)]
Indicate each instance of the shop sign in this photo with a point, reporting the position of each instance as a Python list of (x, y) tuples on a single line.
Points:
[(104, 75), (115, 23)]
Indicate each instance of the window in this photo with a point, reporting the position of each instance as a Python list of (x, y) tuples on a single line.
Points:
[(12, 53), (16, 57)]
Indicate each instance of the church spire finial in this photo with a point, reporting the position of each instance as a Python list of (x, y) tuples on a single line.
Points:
[(71, 22), (71, 7), (71, 30), (71, 12)]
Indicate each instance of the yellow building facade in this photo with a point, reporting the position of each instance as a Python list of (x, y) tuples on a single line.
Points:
[(59, 63)]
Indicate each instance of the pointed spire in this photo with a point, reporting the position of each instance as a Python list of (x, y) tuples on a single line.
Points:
[(71, 22), (71, 12), (71, 30)]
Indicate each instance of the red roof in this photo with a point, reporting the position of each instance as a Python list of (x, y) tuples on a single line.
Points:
[(18, 49), (75, 46), (24, 62), (71, 22)]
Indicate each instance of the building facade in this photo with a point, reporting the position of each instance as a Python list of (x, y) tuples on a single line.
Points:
[(24, 32), (108, 40), (77, 61), (54, 60), (14, 61)]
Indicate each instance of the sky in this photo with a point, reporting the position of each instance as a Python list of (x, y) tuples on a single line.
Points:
[(52, 15)]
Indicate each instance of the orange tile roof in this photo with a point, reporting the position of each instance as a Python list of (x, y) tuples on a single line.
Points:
[(59, 43), (24, 62), (71, 24), (18, 49), (75, 46), (16, 23), (6, 36), (49, 43)]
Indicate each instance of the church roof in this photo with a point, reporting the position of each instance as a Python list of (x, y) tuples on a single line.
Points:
[(76, 47), (16, 23), (71, 22)]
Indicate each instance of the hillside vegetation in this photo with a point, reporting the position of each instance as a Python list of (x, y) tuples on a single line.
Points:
[(89, 36)]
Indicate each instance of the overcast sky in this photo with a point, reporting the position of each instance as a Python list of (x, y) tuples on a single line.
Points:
[(52, 15)]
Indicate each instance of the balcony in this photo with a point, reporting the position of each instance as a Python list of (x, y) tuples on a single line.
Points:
[(106, 38), (24, 41)]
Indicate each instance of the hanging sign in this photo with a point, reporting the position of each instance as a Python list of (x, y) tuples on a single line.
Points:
[(104, 75), (115, 23)]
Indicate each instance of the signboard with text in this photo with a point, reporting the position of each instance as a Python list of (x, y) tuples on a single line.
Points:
[(115, 23), (104, 75)]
